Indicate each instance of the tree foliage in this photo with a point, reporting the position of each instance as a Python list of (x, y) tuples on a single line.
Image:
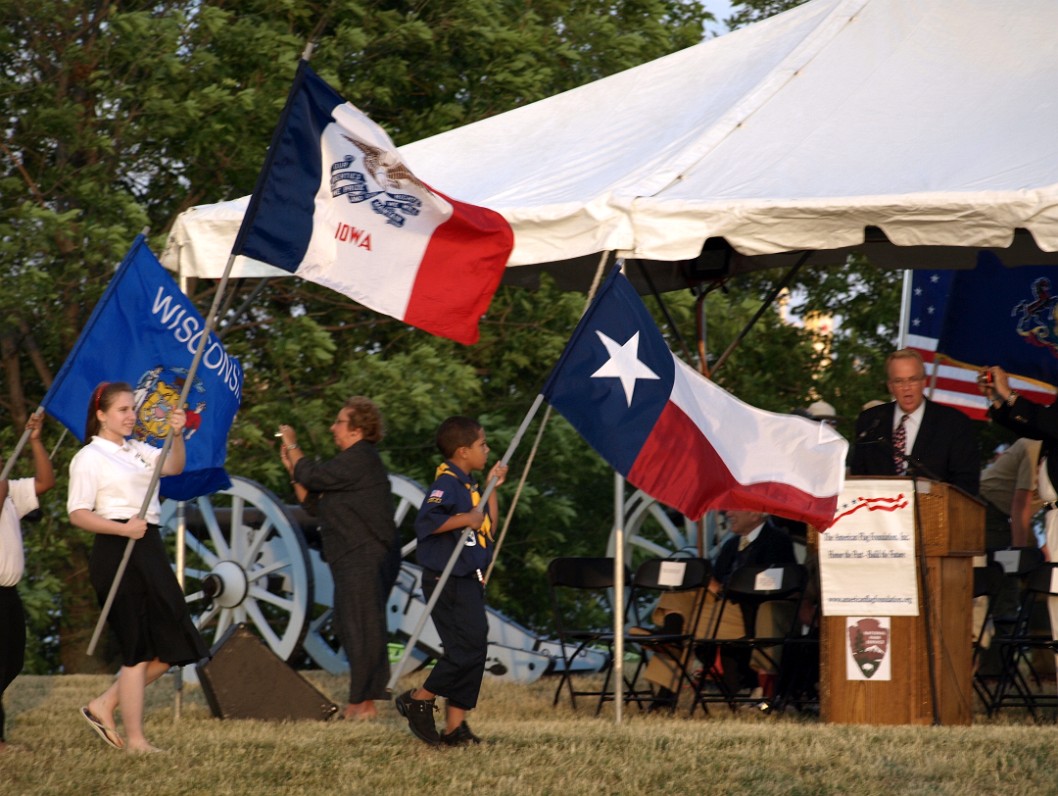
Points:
[(746, 12), (118, 116)]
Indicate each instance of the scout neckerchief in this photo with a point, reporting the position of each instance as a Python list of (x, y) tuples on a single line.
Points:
[(485, 531)]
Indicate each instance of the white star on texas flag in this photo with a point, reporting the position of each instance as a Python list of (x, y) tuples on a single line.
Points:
[(623, 364)]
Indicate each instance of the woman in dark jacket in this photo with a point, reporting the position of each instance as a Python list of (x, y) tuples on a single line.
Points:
[(350, 494)]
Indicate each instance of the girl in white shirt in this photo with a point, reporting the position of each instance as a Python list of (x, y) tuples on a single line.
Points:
[(109, 478)]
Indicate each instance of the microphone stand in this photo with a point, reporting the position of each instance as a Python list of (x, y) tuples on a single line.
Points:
[(916, 469)]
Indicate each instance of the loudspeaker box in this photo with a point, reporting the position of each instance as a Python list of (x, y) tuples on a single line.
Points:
[(245, 679)]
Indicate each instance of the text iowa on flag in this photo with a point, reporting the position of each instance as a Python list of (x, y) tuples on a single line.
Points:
[(145, 331), (677, 436), (337, 206)]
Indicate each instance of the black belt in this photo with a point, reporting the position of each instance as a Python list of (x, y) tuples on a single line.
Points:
[(1050, 505), (434, 574)]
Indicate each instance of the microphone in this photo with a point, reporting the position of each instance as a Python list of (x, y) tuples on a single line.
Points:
[(869, 431), (914, 465)]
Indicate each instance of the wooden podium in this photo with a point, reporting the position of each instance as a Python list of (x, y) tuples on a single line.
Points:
[(951, 534)]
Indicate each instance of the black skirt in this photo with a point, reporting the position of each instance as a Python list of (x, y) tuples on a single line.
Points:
[(149, 615)]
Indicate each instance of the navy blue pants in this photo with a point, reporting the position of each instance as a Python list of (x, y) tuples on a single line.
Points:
[(12, 642), (460, 619)]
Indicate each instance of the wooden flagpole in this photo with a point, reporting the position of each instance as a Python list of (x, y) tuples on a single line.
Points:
[(210, 323), (464, 535)]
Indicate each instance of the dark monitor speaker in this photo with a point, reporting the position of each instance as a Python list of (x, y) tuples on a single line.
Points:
[(245, 679)]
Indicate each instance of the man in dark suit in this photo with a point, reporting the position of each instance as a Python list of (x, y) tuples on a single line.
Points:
[(914, 436), (754, 541)]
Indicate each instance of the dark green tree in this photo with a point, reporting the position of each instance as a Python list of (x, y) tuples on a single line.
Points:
[(118, 116), (746, 12)]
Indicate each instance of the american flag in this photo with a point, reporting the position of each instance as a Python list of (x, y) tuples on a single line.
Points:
[(925, 305)]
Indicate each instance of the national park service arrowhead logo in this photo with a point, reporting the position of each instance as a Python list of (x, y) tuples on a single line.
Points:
[(869, 644)]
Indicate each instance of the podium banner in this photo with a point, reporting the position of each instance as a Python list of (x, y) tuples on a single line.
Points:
[(867, 557)]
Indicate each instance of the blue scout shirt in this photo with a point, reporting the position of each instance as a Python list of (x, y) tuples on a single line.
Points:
[(452, 493)]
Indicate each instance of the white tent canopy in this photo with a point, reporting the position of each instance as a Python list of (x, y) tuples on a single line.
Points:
[(925, 123)]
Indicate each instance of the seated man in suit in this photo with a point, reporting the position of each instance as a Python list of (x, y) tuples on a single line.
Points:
[(914, 436), (754, 541)]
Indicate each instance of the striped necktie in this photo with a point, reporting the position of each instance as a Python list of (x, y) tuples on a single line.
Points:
[(900, 447)]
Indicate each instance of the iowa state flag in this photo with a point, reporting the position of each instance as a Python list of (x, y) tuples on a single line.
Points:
[(677, 436), (145, 331), (335, 205)]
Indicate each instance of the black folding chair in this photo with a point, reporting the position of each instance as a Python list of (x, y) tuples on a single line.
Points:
[(1020, 685), (581, 590), (781, 587), (988, 581), (672, 643)]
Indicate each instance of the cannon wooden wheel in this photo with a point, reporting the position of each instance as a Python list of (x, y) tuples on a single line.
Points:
[(653, 530), (246, 561)]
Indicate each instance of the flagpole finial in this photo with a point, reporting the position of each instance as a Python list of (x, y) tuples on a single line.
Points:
[(306, 54)]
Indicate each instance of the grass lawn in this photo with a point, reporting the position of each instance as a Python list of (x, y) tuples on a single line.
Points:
[(531, 748)]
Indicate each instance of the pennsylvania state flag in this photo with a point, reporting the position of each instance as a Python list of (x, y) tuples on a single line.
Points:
[(145, 331), (1004, 316)]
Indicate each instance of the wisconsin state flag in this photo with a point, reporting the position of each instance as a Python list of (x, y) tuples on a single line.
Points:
[(336, 205), (146, 332), (678, 436)]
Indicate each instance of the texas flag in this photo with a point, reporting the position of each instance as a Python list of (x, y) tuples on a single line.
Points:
[(336, 205), (677, 436)]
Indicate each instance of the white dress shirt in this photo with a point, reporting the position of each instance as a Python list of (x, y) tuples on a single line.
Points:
[(21, 500), (112, 479)]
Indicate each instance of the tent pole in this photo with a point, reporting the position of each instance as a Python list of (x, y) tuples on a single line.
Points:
[(664, 310), (241, 310), (767, 303), (701, 329), (618, 594), (905, 309)]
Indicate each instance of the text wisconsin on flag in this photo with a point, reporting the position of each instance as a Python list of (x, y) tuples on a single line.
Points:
[(146, 332), (336, 205), (677, 436)]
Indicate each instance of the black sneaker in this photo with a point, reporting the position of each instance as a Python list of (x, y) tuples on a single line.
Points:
[(419, 713), (460, 736)]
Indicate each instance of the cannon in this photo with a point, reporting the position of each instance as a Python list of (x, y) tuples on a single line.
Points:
[(249, 558)]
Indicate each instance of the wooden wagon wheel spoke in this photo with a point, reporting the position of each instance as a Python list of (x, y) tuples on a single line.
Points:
[(247, 561)]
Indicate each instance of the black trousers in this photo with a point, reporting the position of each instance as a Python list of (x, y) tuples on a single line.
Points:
[(361, 590), (460, 619), (12, 642)]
